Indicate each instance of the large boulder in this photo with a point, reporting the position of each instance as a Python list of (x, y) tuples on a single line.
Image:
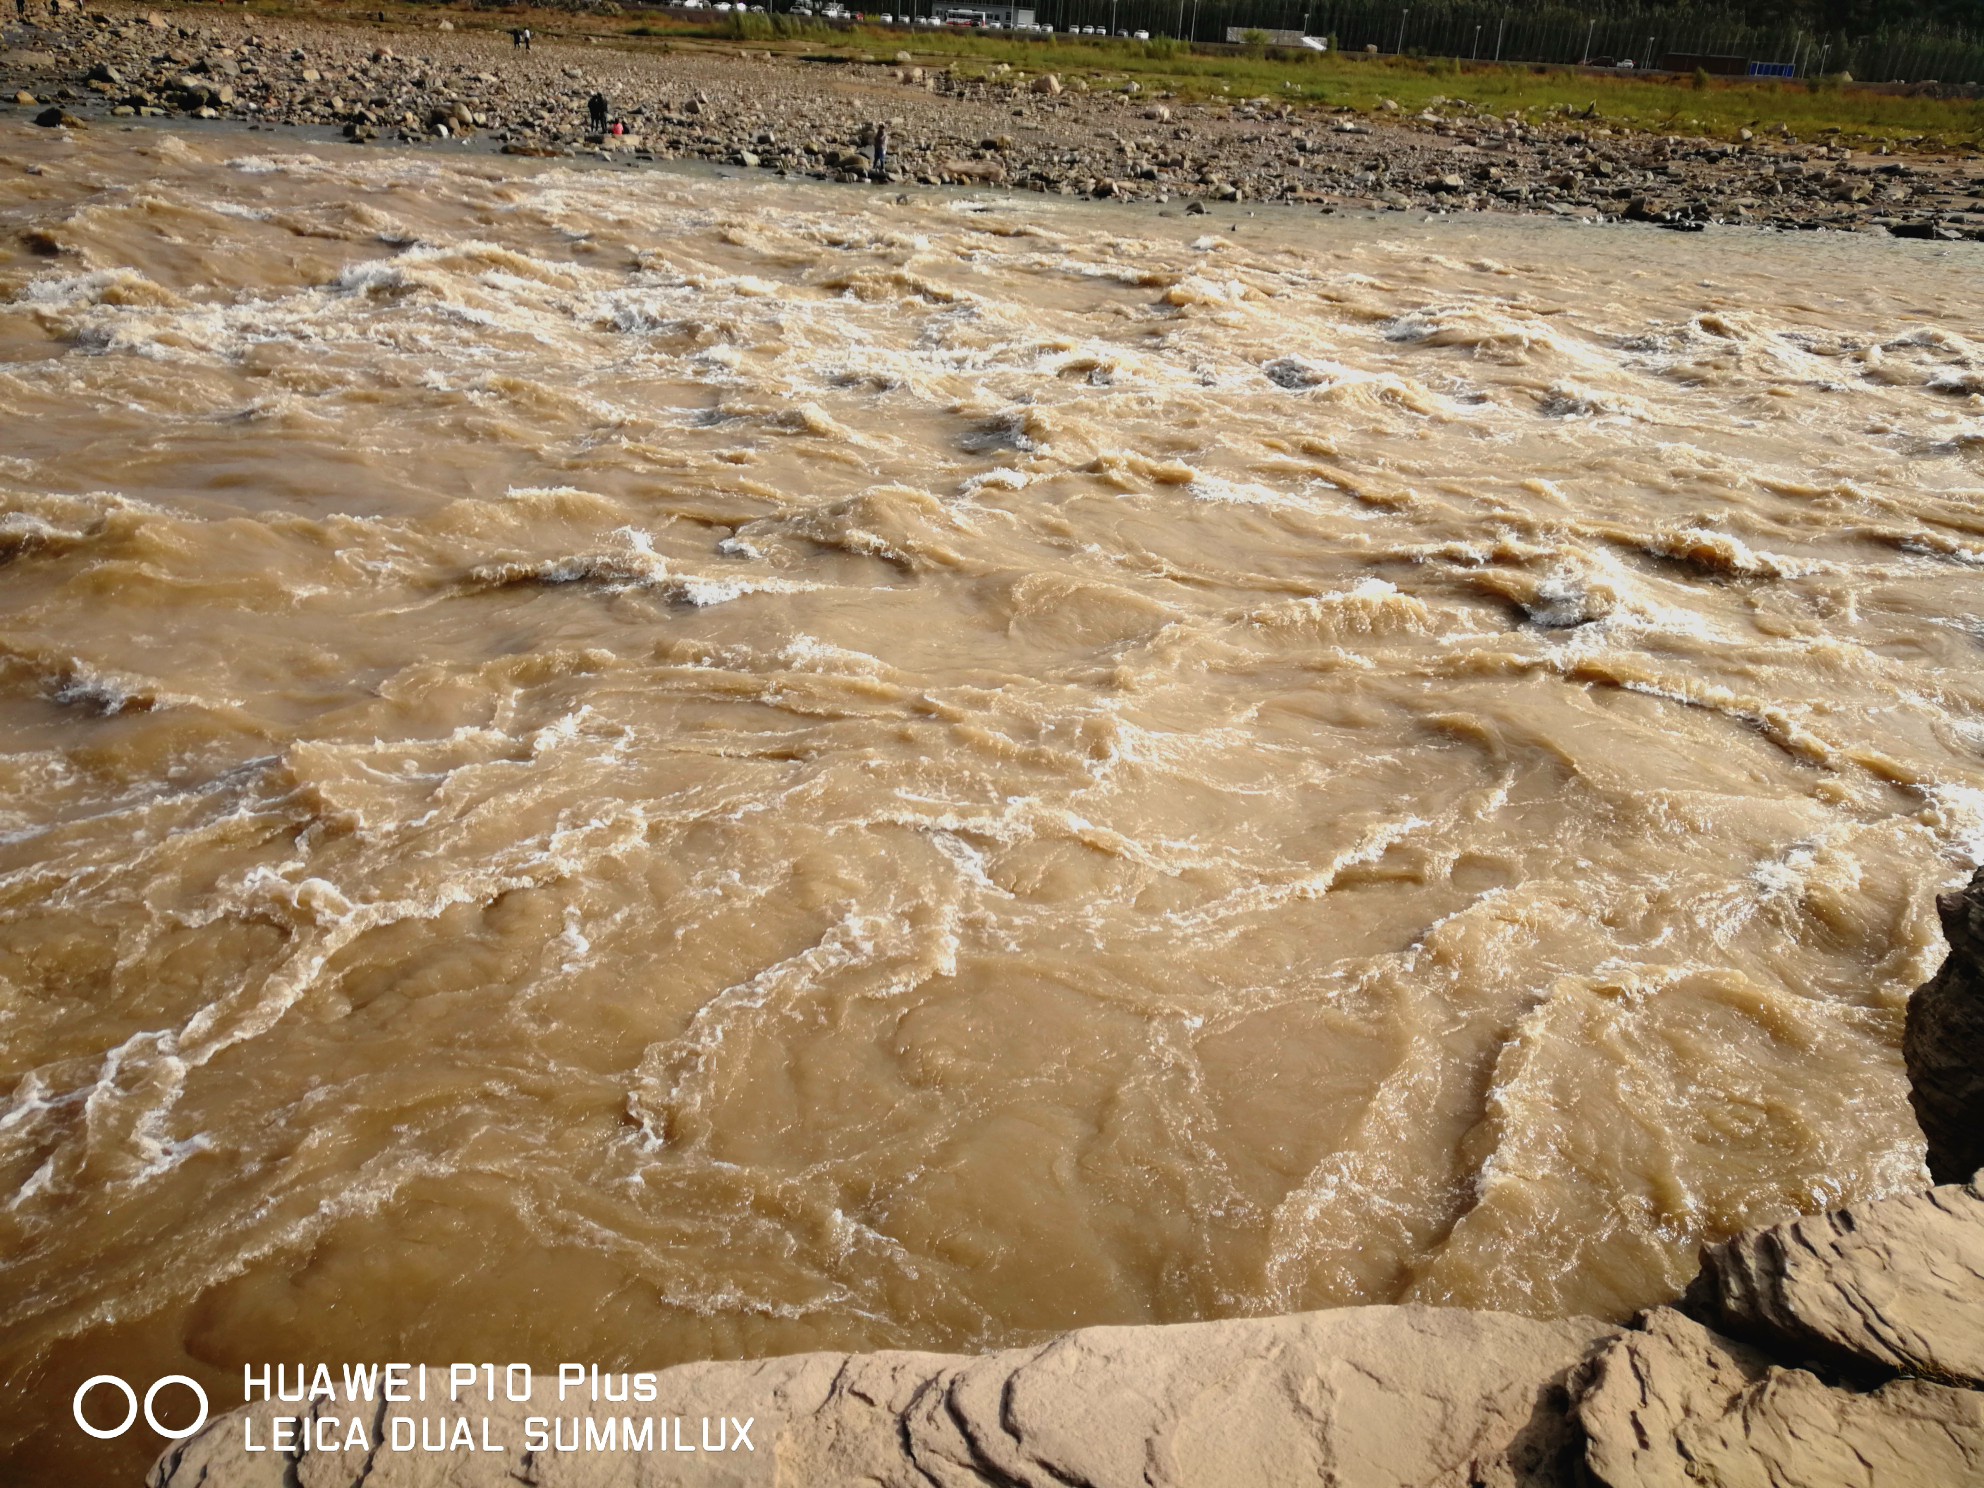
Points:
[(1369, 1397), (1876, 1290), (1944, 1042), (1674, 1405)]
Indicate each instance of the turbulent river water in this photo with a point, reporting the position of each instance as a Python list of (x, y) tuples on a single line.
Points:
[(629, 767)]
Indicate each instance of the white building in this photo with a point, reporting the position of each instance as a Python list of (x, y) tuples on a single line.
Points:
[(1007, 17)]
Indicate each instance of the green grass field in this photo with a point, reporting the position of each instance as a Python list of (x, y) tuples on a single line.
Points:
[(1716, 107), (1701, 106)]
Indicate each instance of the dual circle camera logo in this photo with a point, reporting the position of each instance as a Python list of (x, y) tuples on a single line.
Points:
[(130, 1395)]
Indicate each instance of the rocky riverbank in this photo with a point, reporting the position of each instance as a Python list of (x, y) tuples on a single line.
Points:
[(465, 88), (1844, 1348)]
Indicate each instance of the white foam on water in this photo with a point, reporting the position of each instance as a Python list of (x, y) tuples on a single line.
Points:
[(815, 719)]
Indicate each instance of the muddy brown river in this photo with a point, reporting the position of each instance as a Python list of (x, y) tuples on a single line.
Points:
[(634, 766)]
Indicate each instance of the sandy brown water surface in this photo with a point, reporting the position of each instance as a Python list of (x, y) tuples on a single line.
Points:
[(635, 767)]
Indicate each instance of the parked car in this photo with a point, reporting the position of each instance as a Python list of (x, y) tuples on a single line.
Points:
[(1141, 35)]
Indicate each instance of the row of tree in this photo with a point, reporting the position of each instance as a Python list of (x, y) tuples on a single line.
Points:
[(1911, 41)]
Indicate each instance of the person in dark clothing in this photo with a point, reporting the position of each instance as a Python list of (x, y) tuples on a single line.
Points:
[(516, 38), (881, 150), (596, 106)]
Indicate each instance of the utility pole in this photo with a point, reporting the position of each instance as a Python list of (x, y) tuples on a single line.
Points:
[(1400, 48), (1500, 26), (1590, 31), (1181, 20), (1477, 45)]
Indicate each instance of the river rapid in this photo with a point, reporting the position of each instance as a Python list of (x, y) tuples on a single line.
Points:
[(631, 767)]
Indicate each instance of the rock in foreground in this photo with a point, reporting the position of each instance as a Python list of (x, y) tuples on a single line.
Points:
[(1857, 1359), (1889, 1288), (1677, 1406), (1369, 1395)]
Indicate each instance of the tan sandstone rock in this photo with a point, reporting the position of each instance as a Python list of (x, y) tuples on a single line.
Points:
[(1890, 1288), (1373, 1397), (1676, 1406)]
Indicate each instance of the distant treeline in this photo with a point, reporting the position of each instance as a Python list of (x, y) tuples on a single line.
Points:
[(1874, 40), (1863, 17)]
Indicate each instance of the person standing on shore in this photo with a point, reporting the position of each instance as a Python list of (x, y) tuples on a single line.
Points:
[(596, 108), (881, 150), (526, 38)]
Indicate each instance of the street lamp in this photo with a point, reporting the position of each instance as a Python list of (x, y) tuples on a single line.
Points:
[(1475, 58), (1590, 31), (1400, 48)]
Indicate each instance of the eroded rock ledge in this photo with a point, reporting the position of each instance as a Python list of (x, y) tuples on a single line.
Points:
[(1841, 1349)]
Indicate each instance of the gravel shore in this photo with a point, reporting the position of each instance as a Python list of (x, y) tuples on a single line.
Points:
[(947, 126)]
